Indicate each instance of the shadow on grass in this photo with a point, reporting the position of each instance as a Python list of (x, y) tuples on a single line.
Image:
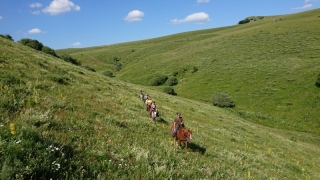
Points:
[(197, 148), (161, 120)]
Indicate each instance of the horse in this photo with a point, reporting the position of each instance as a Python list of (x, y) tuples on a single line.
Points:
[(153, 114), (141, 96), (183, 135)]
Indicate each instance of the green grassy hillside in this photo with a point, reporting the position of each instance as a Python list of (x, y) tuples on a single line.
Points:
[(61, 121), (269, 67)]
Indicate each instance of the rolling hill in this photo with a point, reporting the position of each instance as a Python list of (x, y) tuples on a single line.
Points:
[(269, 67), (62, 121)]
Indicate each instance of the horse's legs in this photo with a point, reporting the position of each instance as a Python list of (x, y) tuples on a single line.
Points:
[(187, 146)]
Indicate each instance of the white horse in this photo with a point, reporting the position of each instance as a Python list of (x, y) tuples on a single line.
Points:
[(141, 97), (154, 115)]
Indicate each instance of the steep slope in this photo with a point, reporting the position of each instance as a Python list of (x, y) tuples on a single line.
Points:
[(62, 121), (269, 67)]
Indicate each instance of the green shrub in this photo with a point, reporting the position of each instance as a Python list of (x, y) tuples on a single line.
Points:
[(222, 100), (68, 58), (108, 74), (318, 81), (244, 21), (169, 90), (89, 68), (60, 79), (48, 50), (24, 41), (172, 81), (175, 73), (117, 66), (195, 69), (158, 80), (35, 44), (6, 36)]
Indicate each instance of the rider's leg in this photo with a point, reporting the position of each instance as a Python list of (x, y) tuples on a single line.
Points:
[(176, 134)]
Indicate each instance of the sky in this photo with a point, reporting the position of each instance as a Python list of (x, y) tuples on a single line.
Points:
[(62, 24)]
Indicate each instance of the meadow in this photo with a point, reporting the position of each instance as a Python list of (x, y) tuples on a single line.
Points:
[(62, 121), (269, 67)]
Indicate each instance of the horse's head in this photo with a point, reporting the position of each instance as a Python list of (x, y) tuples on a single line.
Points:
[(188, 135)]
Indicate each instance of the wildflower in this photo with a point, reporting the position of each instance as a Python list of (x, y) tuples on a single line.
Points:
[(12, 128)]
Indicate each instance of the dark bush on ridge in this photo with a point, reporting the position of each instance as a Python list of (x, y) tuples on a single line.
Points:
[(158, 80), (108, 74), (117, 64), (195, 69), (68, 58), (24, 41), (244, 21), (89, 68), (172, 81), (6, 36), (48, 50), (175, 73), (169, 90), (222, 100), (60, 79), (35, 44)]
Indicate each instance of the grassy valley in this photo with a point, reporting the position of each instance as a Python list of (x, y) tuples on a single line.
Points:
[(269, 67), (62, 121)]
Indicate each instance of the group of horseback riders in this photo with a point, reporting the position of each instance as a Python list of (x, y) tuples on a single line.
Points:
[(151, 107)]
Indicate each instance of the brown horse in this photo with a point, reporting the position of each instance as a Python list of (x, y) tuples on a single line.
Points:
[(184, 135)]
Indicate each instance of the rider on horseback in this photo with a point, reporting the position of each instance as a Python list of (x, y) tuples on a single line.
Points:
[(153, 108), (141, 95), (177, 124)]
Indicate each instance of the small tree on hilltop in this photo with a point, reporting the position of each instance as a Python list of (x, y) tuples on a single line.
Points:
[(24, 41), (222, 100), (35, 44), (244, 21), (6, 36)]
